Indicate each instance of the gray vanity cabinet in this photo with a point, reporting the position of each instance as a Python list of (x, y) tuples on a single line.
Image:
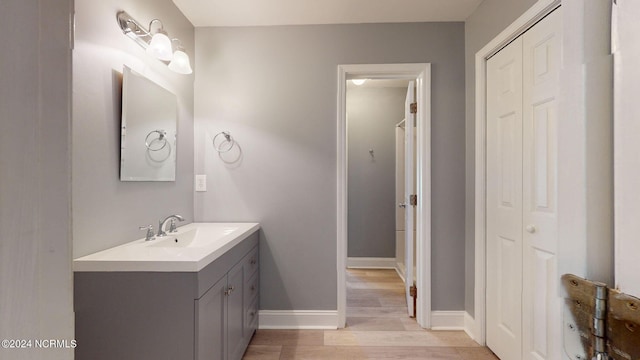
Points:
[(225, 314), (206, 315), (211, 315), (235, 313)]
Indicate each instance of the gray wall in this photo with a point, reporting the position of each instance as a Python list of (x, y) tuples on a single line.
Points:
[(489, 19), (274, 89), (107, 212), (35, 169), (372, 114)]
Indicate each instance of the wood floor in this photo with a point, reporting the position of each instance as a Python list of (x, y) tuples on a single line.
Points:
[(378, 327)]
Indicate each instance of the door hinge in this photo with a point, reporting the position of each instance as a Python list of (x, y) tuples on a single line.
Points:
[(413, 108), (604, 319), (413, 200), (413, 291)]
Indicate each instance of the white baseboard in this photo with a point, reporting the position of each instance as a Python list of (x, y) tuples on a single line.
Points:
[(448, 320), (470, 327), (328, 319), (298, 319), (371, 263), (400, 269)]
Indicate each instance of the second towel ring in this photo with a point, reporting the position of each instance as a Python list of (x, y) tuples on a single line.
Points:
[(223, 145), (162, 137)]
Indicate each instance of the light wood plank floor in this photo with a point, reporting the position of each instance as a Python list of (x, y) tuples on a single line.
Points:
[(378, 327)]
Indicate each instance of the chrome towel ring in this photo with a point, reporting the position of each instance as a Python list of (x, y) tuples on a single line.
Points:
[(161, 139), (224, 144)]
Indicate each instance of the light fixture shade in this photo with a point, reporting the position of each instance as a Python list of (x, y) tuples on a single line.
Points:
[(160, 46), (180, 63), (358, 81)]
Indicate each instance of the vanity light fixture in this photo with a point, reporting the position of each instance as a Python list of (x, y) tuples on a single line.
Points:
[(160, 45), (358, 82), (157, 44), (180, 61)]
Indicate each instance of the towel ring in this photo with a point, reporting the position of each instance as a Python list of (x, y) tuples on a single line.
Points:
[(224, 145), (162, 136)]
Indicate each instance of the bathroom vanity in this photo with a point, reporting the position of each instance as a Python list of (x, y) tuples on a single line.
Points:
[(188, 295)]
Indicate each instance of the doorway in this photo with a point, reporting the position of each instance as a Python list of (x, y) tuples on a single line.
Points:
[(379, 208), (420, 73)]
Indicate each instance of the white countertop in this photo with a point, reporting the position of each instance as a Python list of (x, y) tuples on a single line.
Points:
[(190, 249)]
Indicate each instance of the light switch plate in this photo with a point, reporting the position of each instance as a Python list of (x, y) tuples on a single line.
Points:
[(201, 182)]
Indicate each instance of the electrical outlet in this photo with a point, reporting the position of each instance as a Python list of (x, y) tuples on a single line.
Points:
[(201, 182)]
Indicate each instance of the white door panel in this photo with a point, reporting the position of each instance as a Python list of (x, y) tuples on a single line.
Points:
[(541, 304), (409, 190), (400, 221), (504, 201)]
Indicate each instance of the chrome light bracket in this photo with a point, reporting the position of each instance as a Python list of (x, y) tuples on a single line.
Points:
[(134, 29)]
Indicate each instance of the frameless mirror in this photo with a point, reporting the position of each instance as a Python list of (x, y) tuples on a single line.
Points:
[(148, 131)]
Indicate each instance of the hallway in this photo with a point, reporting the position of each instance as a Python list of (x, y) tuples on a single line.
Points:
[(377, 328)]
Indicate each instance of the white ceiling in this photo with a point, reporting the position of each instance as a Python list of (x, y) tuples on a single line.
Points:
[(303, 12)]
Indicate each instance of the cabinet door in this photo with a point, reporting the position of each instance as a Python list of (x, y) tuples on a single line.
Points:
[(235, 311), (211, 319)]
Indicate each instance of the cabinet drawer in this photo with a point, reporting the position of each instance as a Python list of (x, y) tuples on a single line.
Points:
[(251, 318), (252, 262), (252, 288)]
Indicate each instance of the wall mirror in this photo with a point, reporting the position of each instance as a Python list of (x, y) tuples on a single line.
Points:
[(148, 130)]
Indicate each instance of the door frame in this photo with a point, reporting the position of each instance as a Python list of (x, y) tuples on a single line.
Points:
[(422, 74), (539, 10)]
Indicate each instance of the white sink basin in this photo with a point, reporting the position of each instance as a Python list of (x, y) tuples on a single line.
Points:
[(191, 248), (183, 239), (190, 238)]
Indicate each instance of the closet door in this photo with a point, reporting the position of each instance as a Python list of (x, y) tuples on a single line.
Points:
[(523, 306), (504, 202), (541, 304)]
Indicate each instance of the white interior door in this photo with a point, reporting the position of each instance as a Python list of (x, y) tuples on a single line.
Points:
[(541, 303), (409, 190), (523, 306), (504, 202), (400, 210)]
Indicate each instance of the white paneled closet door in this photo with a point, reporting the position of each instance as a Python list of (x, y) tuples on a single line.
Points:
[(504, 202), (523, 307), (541, 305)]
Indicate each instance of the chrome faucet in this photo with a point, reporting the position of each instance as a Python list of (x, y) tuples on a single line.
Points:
[(172, 226), (149, 229)]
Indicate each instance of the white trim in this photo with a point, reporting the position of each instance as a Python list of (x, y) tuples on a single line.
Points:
[(421, 72), (447, 320), (298, 319), (525, 21), (401, 270), (371, 263), (469, 326)]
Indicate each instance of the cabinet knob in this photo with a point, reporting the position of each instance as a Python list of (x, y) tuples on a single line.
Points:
[(530, 229), (228, 291), (253, 287), (253, 261)]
